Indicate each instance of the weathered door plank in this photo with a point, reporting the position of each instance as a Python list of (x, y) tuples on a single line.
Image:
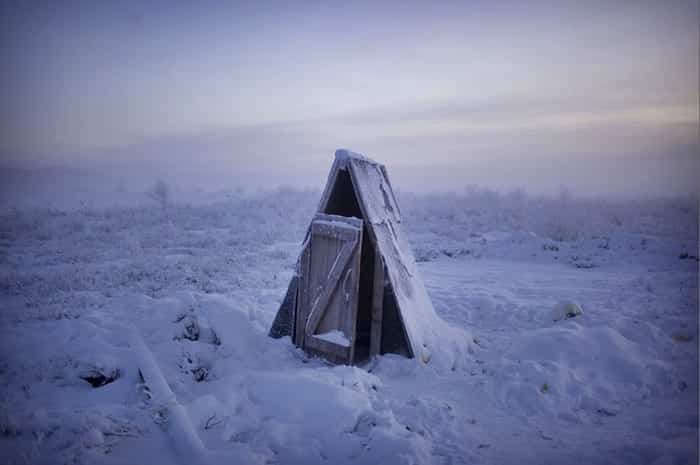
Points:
[(320, 303), (302, 296), (330, 282)]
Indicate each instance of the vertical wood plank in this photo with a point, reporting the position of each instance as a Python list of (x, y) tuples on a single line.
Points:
[(375, 340), (302, 304), (355, 298)]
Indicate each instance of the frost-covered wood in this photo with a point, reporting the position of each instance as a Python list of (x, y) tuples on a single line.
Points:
[(359, 187), (377, 307), (331, 280), (302, 298)]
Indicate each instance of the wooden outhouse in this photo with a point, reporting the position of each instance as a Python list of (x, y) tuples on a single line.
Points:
[(356, 292)]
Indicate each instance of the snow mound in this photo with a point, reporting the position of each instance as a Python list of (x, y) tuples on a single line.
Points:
[(329, 415), (580, 370)]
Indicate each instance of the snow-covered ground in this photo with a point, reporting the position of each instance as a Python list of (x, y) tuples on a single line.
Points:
[(91, 291)]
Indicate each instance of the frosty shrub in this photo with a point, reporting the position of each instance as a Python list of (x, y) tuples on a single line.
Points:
[(565, 218), (160, 193), (561, 229)]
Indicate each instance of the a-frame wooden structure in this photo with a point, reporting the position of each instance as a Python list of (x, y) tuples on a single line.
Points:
[(356, 292)]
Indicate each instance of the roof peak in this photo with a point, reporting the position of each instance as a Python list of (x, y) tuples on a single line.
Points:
[(345, 154)]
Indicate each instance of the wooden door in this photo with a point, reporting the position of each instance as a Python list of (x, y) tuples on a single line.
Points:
[(328, 288)]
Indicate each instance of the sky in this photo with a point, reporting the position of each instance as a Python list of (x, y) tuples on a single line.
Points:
[(596, 97)]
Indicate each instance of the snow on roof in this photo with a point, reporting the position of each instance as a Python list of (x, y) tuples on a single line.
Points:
[(344, 155), (377, 195), (428, 335)]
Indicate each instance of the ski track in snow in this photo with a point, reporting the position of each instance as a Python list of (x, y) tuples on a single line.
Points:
[(201, 285)]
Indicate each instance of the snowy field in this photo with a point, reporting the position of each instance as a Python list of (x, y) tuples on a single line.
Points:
[(85, 278)]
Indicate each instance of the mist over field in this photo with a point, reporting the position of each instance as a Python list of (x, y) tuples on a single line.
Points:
[(619, 177)]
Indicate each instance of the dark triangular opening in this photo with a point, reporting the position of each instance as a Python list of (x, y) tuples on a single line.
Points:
[(393, 332), (343, 200)]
